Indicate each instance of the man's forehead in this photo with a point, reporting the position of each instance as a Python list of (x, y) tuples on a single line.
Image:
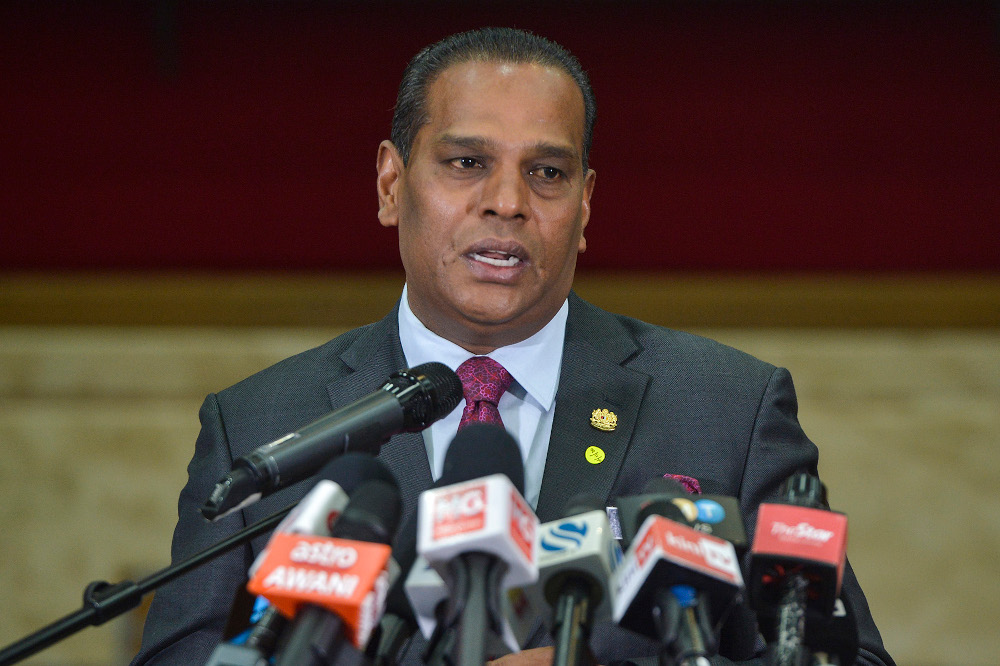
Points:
[(467, 99)]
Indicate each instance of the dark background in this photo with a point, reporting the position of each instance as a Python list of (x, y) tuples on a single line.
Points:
[(732, 136)]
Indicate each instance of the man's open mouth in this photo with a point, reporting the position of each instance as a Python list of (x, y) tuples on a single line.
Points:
[(497, 258)]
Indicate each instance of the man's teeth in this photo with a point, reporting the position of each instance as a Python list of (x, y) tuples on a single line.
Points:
[(511, 260)]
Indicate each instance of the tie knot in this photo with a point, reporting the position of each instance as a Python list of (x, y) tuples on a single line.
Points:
[(483, 379)]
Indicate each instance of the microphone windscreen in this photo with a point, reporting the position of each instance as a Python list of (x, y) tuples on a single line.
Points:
[(480, 450), (442, 386), (372, 514), (582, 503), (353, 469), (804, 489), (664, 485), (666, 489)]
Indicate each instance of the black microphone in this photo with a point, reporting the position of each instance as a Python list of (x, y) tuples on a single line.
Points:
[(477, 531), (480, 450), (258, 646), (314, 515), (318, 636), (796, 565), (577, 556), (718, 515), (266, 631), (399, 622), (408, 402), (676, 583)]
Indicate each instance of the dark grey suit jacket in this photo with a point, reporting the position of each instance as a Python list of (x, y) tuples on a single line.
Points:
[(685, 405)]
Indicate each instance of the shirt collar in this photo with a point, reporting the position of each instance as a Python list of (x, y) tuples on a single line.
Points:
[(534, 363)]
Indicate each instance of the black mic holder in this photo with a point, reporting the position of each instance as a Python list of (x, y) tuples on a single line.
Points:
[(685, 630), (103, 601), (472, 612), (787, 649), (572, 619)]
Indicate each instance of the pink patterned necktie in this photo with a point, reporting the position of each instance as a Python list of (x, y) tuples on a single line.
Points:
[(483, 382)]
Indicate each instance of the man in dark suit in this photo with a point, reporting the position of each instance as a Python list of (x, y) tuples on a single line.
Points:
[(486, 181)]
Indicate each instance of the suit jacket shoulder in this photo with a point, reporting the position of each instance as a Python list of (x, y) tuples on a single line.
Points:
[(186, 618), (290, 393)]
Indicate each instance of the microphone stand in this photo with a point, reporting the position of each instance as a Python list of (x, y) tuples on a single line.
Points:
[(103, 601), (571, 626)]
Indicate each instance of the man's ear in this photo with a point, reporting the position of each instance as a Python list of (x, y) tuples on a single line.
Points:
[(588, 190), (390, 167)]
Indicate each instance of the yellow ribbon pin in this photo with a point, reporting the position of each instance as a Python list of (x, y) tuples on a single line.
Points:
[(594, 455)]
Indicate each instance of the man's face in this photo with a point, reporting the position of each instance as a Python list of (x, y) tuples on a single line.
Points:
[(493, 203)]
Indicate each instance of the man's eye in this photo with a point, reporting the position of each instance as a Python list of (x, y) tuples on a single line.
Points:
[(466, 162), (548, 173)]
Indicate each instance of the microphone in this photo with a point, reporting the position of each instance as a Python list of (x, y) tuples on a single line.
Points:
[(676, 585), (718, 515), (480, 536), (577, 556), (408, 402), (796, 564), (314, 515), (414, 600), (259, 645), (334, 586)]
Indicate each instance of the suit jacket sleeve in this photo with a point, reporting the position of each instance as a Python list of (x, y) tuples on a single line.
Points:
[(779, 448), (776, 448), (187, 615)]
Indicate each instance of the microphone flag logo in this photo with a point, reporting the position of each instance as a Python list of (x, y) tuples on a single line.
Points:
[(710, 511), (349, 578), (460, 511), (564, 536)]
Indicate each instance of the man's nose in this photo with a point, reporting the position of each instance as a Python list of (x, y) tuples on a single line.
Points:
[(505, 195)]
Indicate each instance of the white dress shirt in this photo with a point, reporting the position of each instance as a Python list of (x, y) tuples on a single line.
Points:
[(527, 406)]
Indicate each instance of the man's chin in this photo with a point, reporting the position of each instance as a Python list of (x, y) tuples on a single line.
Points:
[(490, 304), (490, 318), (506, 325)]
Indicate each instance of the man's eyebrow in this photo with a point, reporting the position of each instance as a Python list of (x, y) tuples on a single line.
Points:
[(473, 143), (556, 151)]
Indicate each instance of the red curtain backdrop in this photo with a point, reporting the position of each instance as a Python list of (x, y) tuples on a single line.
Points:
[(733, 136)]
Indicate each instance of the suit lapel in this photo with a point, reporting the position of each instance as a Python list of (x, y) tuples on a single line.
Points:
[(374, 356), (592, 377)]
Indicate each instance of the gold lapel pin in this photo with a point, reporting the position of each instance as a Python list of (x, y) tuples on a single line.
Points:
[(604, 420)]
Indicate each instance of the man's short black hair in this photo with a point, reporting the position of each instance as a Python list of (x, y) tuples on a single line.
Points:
[(506, 45)]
